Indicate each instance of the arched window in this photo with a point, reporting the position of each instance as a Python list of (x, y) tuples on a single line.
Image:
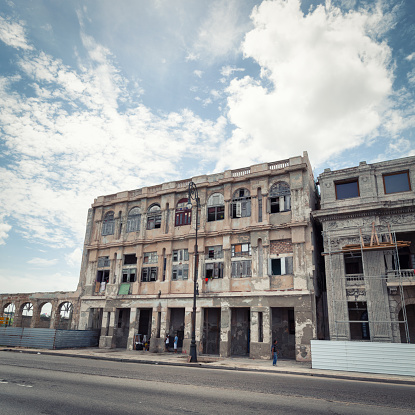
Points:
[(108, 225), (241, 204), (216, 207), (183, 214), (154, 216), (279, 198), (133, 220)]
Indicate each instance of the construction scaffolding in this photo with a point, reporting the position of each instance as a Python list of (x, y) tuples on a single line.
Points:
[(364, 279)]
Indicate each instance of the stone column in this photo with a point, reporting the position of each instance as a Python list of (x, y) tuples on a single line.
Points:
[(133, 329), (225, 332)]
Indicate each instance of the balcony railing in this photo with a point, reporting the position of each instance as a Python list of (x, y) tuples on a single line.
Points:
[(404, 275), (354, 279)]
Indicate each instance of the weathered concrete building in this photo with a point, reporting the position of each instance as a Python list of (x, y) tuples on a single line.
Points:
[(368, 219), (256, 263)]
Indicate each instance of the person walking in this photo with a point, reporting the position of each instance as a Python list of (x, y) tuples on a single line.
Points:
[(274, 353), (176, 341), (167, 343)]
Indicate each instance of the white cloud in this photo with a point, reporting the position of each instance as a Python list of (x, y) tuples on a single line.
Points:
[(325, 87), (221, 32), (228, 70), (4, 232), (74, 258), (42, 262), (13, 34), (410, 57), (71, 142), (198, 73)]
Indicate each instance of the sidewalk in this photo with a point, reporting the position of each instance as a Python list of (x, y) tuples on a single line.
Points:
[(285, 366)]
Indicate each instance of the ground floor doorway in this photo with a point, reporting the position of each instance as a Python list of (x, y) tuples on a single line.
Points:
[(122, 327), (176, 327), (283, 330), (240, 331), (211, 330), (410, 315)]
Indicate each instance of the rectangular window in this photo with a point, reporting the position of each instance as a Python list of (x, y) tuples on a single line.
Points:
[(396, 182), (103, 276), (358, 320), (241, 269), (241, 250), (180, 272), (154, 222), (103, 262), (280, 204), (130, 259), (180, 255), (214, 270), (129, 274), (216, 213), (347, 189), (281, 266), (353, 263), (150, 258), (149, 274), (214, 252), (183, 218)]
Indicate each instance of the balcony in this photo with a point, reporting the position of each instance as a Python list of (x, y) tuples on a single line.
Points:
[(404, 277)]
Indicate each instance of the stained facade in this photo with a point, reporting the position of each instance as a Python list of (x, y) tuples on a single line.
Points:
[(256, 265), (368, 221)]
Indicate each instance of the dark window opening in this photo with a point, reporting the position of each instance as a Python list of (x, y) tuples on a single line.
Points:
[(347, 189), (154, 217), (216, 213), (103, 276), (281, 266), (396, 182), (214, 252), (358, 320), (241, 204), (129, 275), (130, 259), (214, 270), (353, 264), (279, 198)]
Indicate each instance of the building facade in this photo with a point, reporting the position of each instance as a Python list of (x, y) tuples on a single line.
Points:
[(255, 270), (368, 220)]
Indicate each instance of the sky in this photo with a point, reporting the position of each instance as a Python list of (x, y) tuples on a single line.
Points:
[(102, 96)]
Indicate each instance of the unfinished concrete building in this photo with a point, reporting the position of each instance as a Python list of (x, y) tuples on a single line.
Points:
[(256, 266), (368, 221)]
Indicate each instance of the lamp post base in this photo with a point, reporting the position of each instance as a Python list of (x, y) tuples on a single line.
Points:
[(192, 352)]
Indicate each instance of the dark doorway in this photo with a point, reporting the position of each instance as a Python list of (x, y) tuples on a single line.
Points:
[(211, 331), (176, 326), (144, 324), (358, 312), (410, 315), (283, 330), (240, 331), (122, 327)]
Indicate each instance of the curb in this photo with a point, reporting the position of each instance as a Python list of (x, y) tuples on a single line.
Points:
[(216, 367)]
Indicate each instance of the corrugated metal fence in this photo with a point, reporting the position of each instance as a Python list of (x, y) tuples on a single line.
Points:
[(47, 338), (370, 357)]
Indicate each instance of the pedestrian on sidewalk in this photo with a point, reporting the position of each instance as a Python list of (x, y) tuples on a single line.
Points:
[(167, 343), (176, 341), (274, 353)]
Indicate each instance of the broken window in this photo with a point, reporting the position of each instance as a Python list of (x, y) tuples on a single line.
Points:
[(216, 207), (183, 214), (103, 276), (358, 320), (396, 182), (241, 250), (150, 258), (214, 252), (241, 269), (103, 262), (241, 204), (279, 199), (154, 217), (180, 255), (347, 188), (280, 266), (149, 274), (180, 272), (130, 259), (133, 220), (129, 274), (108, 225), (214, 270), (353, 263)]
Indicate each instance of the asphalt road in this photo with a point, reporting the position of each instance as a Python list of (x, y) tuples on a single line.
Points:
[(49, 385)]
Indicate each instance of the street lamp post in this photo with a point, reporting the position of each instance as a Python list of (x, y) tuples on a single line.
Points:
[(193, 194)]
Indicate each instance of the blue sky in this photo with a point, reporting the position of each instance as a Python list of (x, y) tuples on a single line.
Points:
[(98, 97)]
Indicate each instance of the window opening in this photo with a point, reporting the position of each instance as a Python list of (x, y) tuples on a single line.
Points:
[(347, 189), (108, 224), (154, 217), (130, 259), (241, 269), (280, 197), (241, 204), (214, 252), (150, 258), (183, 214), (133, 220), (214, 270), (241, 250), (149, 274), (396, 182), (129, 274), (180, 272), (103, 262), (216, 207), (359, 320), (281, 266), (180, 255)]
